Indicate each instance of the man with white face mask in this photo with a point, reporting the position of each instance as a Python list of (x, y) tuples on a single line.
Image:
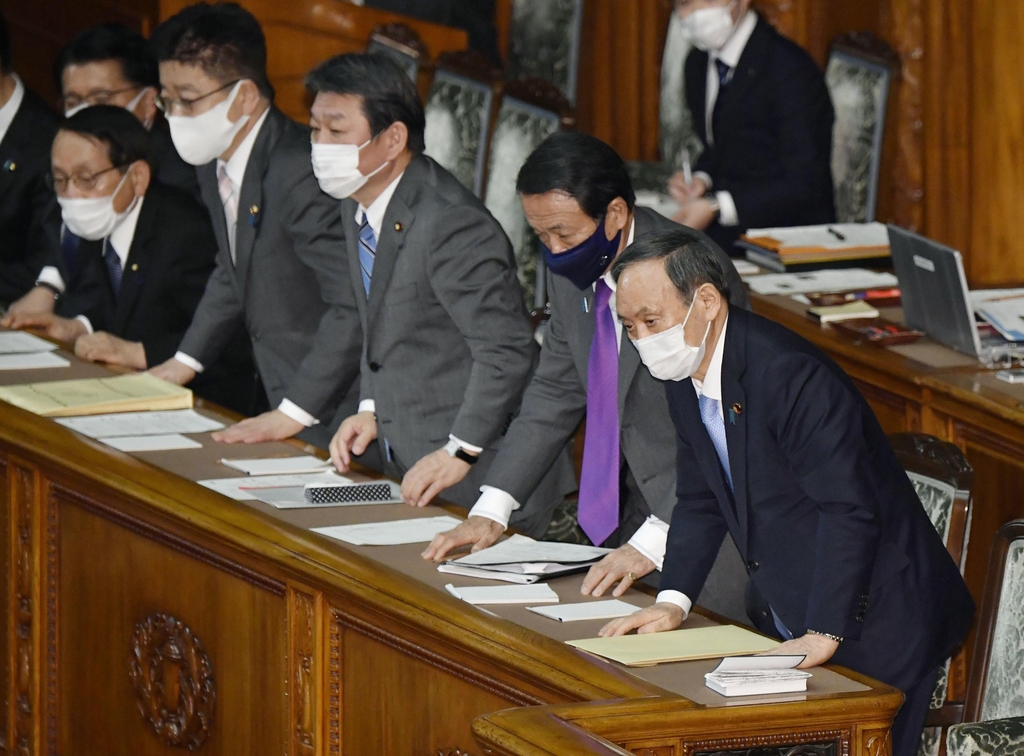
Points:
[(763, 114), (280, 272), (777, 447)]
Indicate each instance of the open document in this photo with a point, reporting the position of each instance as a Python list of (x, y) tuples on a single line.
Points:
[(521, 559), (142, 423), (392, 533), (758, 676)]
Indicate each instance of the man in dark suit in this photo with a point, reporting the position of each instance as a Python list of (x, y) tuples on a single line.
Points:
[(777, 447), (280, 271), (448, 347), (27, 128), (577, 196), (143, 259), (763, 114)]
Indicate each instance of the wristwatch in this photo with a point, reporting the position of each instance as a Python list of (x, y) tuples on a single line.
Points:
[(454, 450), (51, 288), (836, 638), (716, 206)]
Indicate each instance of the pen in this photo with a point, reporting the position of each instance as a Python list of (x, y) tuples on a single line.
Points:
[(839, 236), (687, 168)]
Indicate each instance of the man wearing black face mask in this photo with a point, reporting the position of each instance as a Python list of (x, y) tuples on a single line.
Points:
[(577, 196)]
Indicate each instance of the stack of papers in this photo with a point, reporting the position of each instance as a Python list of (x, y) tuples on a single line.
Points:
[(94, 396), (393, 533), (588, 610), (305, 463), (677, 645), (32, 361), (850, 279), (758, 676), (245, 488), (521, 559), (1003, 308), (165, 442), (504, 594), (19, 342), (142, 424)]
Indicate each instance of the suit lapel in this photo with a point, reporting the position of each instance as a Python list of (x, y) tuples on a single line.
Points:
[(734, 406), (585, 330), (699, 83), (398, 220), (137, 264), (10, 148), (746, 75), (207, 175), (250, 197), (348, 222)]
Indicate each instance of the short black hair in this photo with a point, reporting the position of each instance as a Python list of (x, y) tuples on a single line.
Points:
[(582, 166), (126, 139), (387, 92), (690, 260), (5, 46), (224, 40), (110, 42)]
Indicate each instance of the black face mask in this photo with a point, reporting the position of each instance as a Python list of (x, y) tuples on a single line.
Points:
[(587, 261)]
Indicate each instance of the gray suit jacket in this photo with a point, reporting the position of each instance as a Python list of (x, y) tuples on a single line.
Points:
[(290, 284), (556, 401), (448, 347)]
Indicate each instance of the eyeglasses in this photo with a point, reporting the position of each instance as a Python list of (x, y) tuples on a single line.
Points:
[(184, 105), (84, 182), (96, 97)]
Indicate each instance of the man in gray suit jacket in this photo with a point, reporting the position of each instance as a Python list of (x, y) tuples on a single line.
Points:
[(578, 198), (280, 271), (448, 347)]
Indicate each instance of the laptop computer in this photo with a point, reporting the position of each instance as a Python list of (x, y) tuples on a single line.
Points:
[(933, 288)]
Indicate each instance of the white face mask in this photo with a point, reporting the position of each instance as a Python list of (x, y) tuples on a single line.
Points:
[(202, 138), (708, 29), (93, 218), (336, 167), (668, 356), (130, 107)]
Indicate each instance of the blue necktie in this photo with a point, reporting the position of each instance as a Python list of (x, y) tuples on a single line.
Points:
[(114, 268), (724, 69), (716, 429), (69, 251), (367, 252)]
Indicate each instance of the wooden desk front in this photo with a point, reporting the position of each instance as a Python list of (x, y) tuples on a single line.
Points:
[(144, 614)]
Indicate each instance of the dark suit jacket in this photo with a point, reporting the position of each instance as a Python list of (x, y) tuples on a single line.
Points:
[(773, 135), (556, 400), (290, 287), (24, 198), (825, 517), (171, 258), (170, 169)]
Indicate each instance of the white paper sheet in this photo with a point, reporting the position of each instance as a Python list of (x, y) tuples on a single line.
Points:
[(232, 487), (141, 423), (590, 610), (394, 533), (32, 361), (520, 548), (540, 593), (164, 442), (746, 268), (16, 342), (856, 235), (847, 279), (304, 463)]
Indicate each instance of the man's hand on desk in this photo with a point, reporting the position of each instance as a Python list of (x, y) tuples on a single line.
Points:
[(102, 347), (817, 649), (479, 531), (430, 476), (38, 300), (696, 214), (656, 618), (54, 326), (356, 433), (174, 372), (270, 426), (682, 192), (618, 565)]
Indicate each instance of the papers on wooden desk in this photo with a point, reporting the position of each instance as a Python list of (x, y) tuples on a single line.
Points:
[(393, 533), (677, 645), (848, 279), (32, 361), (520, 548), (19, 342), (830, 237), (588, 610), (504, 594), (94, 396), (243, 488), (758, 676), (298, 497), (142, 423), (1003, 308), (305, 463), (164, 442)]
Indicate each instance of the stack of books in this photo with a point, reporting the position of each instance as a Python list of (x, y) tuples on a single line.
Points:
[(833, 245)]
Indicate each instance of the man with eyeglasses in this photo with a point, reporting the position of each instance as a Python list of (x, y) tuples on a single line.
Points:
[(763, 114), (146, 252), (27, 127), (281, 270)]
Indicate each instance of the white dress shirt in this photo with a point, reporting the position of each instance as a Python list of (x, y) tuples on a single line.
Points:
[(730, 54), (711, 387), (10, 108)]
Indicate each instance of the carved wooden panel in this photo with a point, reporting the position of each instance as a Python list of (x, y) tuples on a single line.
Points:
[(907, 37), (822, 743), (6, 613), (304, 667), (26, 706), (876, 743)]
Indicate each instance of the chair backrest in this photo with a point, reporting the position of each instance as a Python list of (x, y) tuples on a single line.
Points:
[(403, 45), (675, 121), (530, 111), (860, 70), (544, 43), (458, 112), (996, 688)]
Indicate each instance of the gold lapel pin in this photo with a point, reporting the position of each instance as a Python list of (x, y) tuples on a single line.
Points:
[(11, 165), (254, 210), (398, 227), (737, 408), (135, 267)]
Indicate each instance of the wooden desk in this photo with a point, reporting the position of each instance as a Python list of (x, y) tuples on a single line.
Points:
[(130, 592)]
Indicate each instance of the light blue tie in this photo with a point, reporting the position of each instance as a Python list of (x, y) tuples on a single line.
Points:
[(367, 252), (716, 429)]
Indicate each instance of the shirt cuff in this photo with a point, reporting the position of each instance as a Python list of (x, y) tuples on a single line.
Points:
[(464, 445), (494, 504), (705, 178), (675, 597), (85, 321), (727, 215), (368, 405), (650, 540), (296, 413), (189, 362), (50, 275)]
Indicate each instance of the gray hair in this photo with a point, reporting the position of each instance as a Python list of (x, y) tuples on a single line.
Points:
[(690, 260)]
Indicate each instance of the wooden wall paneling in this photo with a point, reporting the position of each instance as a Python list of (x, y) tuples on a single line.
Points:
[(305, 671), (6, 606)]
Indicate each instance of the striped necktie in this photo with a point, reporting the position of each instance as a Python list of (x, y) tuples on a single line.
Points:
[(113, 263), (367, 253)]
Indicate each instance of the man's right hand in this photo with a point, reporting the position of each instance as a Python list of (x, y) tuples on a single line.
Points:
[(479, 531), (54, 326), (682, 192), (657, 618), (38, 300), (354, 436), (174, 372)]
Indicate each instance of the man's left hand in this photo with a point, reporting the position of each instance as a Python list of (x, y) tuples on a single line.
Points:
[(103, 347), (698, 214), (817, 649), (621, 564), (270, 426), (430, 476)]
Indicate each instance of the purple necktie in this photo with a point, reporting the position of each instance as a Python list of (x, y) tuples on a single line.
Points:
[(599, 484)]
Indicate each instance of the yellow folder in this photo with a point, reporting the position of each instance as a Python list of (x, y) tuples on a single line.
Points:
[(677, 645), (141, 392)]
